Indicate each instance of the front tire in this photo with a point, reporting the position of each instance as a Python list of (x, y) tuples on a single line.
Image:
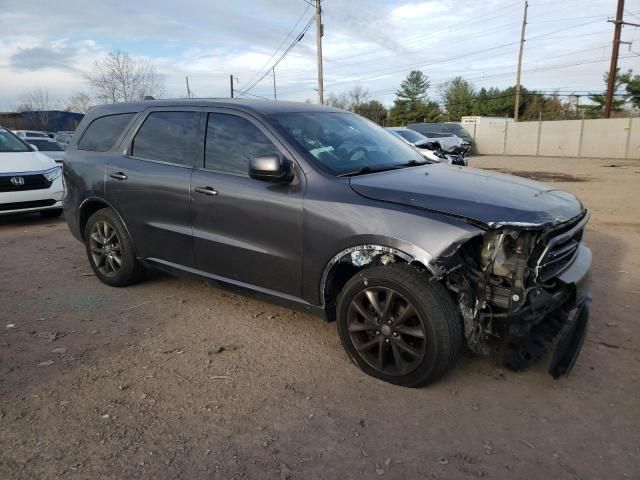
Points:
[(398, 326), (110, 250)]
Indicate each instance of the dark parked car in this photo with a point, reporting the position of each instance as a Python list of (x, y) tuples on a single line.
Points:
[(323, 210)]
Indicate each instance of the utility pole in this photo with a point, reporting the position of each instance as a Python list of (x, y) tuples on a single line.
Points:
[(273, 69), (188, 89), (524, 24), (613, 69), (231, 84), (319, 31)]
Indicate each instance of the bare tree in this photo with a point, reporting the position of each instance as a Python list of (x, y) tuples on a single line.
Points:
[(349, 100), (357, 96), (337, 101), (117, 77), (79, 102), (36, 104)]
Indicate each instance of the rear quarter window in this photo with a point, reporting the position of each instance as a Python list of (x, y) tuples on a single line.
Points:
[(102, 133)]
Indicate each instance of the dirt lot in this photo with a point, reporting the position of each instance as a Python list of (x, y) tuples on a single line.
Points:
[(176, 379)]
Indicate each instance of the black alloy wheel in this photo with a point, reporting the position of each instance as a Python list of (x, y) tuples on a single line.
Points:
[(386, 330), (110, 249), (399, 325), (105, 248)]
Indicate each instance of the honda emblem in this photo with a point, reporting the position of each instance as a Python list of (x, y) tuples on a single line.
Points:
[(17, 181)]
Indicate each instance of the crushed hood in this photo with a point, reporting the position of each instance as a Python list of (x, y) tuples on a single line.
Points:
[(491, 198)]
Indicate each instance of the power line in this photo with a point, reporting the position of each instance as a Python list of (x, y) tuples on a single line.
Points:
[(418, 38), (284, 54), (281, 44), (422, 64), (447, 43)]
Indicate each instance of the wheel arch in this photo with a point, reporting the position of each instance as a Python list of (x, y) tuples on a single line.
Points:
[(349, 261), (91, 205)]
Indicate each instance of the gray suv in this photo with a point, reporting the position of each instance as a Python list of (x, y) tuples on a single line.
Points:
[(325, 211)]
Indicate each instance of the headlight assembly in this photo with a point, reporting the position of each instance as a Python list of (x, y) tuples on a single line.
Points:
[(53, 173)]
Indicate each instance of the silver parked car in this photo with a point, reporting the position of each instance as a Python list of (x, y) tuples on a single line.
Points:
[(49, 147)]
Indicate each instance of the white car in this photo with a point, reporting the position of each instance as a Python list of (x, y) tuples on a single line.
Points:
[(51, 148), (29, 180), (31, 133)]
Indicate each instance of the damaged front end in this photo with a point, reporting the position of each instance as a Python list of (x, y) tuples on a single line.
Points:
[(523, 286)]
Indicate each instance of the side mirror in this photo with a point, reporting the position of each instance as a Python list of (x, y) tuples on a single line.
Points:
[(271, 168), (33, 146)]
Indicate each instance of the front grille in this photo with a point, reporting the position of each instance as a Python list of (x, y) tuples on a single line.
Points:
[(560, 247), (4, 207), (29, 182)]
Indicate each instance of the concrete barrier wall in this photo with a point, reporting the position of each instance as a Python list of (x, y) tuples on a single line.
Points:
[(598, 138), (490, 137), (560, 139), (633, 148), (605, 137), (522, 138)]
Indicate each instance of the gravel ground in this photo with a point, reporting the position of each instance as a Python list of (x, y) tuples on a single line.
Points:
[(175, 379)]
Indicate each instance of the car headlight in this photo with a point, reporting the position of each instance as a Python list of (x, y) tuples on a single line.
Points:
[(53, 173)]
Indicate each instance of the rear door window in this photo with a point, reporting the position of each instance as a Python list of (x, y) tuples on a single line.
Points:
[(103, 132), (167, 137)]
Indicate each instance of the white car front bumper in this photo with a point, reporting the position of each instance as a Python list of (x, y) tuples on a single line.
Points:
[(34, 195)]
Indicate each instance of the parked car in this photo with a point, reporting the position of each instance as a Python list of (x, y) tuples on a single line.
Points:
[(31, 134), (453, 128), (323, 210), (29, 180), (49, 147), (427, 147), (450, 141), (63, 137)]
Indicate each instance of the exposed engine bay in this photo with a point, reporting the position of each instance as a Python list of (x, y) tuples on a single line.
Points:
[(506, 283)]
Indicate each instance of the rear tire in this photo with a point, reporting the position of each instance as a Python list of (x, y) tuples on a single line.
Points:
[(398, 326), (110, 250), (53, 213)]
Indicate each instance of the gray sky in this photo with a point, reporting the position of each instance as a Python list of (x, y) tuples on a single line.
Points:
[(372, 43)]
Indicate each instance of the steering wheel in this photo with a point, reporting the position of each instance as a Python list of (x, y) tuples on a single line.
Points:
[(355, 150)]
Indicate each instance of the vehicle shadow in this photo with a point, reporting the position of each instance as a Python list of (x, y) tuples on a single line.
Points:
[(33, 219)]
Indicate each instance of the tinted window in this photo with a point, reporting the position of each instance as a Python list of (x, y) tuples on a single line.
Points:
[(232, 141), (438, 135), (104, 131), (46, 145), (410, 135), (167, 137)]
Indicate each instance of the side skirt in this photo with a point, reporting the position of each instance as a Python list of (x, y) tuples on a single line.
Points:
[(259, 293)]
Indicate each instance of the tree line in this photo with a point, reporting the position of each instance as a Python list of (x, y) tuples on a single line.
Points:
[(459, 98), (119, 77)]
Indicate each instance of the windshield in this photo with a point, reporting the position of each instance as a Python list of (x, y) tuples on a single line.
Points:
[(10, 143), (342, 143), (46, 145), (410, 135)]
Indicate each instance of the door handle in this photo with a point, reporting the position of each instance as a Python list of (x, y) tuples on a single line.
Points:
[(118, 176), (206, 191)]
